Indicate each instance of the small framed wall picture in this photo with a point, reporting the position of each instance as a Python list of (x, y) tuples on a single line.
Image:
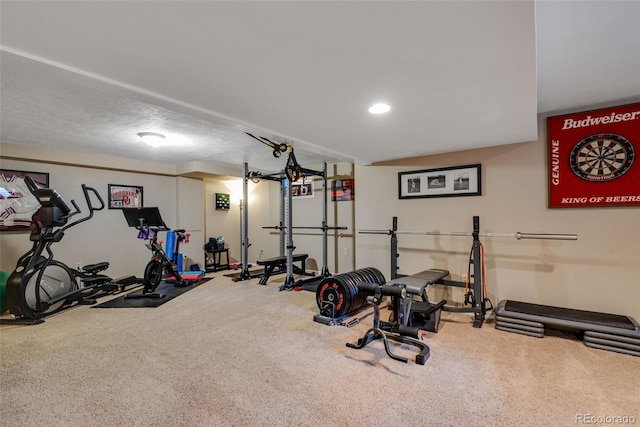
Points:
[(302, 188), (17, 203), (222, 202), (124, 196), (342, 190)]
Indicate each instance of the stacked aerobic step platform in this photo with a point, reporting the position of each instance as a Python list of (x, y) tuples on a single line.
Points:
[(599, 330)]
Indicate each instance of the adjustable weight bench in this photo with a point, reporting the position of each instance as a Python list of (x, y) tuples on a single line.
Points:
[(387, 331), (409, 317), (415, 312), (598, 330), (278, 265)]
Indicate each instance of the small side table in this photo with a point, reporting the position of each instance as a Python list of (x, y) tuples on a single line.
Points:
[(213, 260)]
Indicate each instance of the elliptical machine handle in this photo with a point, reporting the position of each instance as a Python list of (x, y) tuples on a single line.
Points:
[(32, 185), (87, 197), (90, 206), (76, 207)]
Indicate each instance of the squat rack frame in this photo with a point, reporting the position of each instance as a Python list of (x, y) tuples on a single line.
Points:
[(292, 172)]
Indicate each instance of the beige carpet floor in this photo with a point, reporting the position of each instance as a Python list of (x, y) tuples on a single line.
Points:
[(240, 354)]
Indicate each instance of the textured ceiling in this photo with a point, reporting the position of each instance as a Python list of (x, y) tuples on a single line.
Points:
[(87, 76)]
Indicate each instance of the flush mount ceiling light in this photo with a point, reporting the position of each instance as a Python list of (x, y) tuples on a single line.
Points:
[(379, 108), (151, 138)]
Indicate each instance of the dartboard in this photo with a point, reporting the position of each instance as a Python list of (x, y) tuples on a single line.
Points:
[(602, 157)]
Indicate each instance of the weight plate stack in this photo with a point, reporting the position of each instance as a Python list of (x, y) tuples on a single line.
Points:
[(338, 295)]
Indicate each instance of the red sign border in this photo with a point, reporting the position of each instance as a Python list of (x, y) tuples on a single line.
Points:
[(550, 138)]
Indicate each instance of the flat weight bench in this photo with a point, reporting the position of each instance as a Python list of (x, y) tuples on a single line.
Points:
[(278, 265), (598, 330)]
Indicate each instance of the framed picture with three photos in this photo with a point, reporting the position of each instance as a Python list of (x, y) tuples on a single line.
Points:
[(441, 182)]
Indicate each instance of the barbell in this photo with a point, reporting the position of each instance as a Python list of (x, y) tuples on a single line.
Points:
[(326, 227), (517, 235)]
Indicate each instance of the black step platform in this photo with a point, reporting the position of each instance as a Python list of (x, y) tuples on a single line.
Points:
[(599, 330)]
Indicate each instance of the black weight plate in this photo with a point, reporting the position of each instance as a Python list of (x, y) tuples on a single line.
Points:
[(378, 275), (360, 276), (334, 290), (366, 276), (351, 282), (359, 299), (367, 273), (352, 279)]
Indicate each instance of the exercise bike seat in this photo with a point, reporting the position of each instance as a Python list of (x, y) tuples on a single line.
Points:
[(94, 268), (416, 283)]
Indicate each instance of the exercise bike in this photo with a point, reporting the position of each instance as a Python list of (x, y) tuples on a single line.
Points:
[(149, 223), (40, 285)]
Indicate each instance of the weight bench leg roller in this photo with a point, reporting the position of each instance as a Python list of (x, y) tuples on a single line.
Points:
[(375, 333)]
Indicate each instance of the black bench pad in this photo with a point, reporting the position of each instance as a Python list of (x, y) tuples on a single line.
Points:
[(282, 259), (416, 283), (278, 265)]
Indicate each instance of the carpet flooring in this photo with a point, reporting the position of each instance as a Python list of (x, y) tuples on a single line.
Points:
[(240, 354)]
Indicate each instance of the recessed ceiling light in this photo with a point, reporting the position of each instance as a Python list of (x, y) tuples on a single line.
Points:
[(151, 138), (379, 108)]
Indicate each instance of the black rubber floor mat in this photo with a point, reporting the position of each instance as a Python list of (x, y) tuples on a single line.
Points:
[(252, 273), (168, 289), (310, 284)]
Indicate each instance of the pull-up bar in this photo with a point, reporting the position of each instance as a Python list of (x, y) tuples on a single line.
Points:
[(517, 235)]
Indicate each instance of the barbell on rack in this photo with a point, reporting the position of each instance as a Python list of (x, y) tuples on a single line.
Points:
[(296, 233), (517, 235), (325, 227)]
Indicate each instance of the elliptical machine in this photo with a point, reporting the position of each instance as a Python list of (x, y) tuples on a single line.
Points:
[(40, 285)]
